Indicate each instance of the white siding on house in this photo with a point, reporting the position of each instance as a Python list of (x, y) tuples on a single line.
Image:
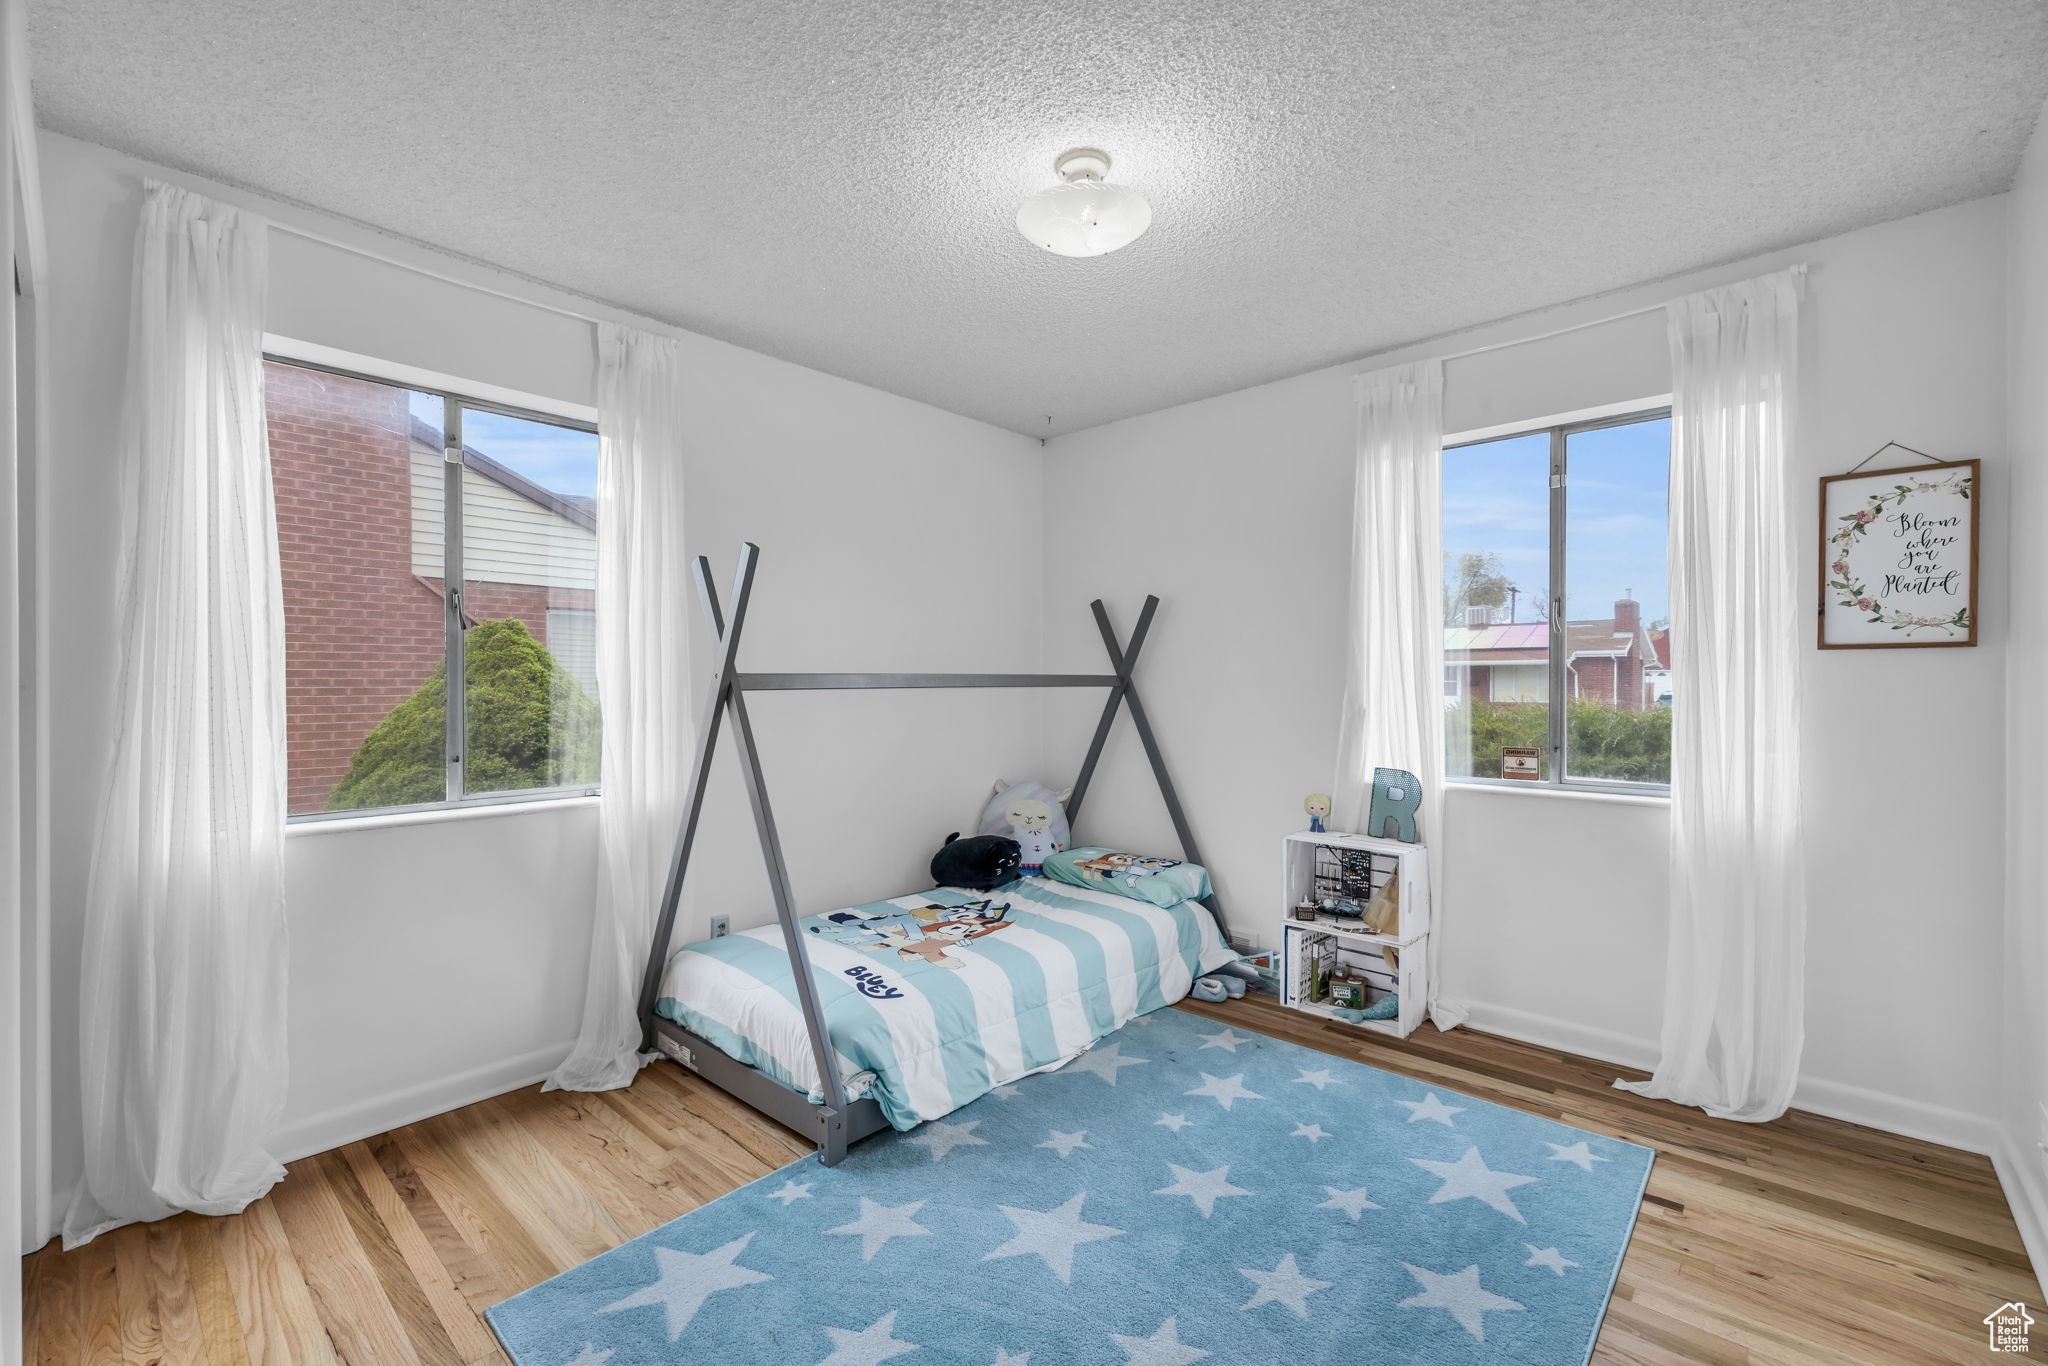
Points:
[(572, 640), (1519, 683), (506, 537)]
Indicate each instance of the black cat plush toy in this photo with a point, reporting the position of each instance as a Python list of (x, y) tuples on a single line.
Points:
[(979, 863)]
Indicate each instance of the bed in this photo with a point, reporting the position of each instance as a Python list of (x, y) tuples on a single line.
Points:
[(933, 999), (917, 1020)]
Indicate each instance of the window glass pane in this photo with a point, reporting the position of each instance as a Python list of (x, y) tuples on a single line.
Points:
[(529, 567), (1618, 718), (1496, 603), (356, 470)]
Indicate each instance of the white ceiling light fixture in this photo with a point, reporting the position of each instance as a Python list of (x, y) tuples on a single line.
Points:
[(1084, 216)]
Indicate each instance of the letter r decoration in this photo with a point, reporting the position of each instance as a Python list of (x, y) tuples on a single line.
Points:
[(1396, 796)]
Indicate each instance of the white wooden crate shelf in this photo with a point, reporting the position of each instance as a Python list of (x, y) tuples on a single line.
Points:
[(1385, 861)]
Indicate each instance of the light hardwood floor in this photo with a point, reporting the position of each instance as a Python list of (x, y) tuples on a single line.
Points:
[(1805, 1240)]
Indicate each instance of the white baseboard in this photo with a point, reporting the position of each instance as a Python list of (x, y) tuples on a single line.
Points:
[(1836, 1100), (345, 1124), (2023, 1172), (1547, 1031), (1896, 1115)]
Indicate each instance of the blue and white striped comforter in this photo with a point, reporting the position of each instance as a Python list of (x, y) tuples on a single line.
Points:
[(927, 1011)]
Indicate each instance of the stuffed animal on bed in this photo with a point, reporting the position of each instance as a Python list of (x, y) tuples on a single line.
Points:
[(980, 863), (1031, 814)]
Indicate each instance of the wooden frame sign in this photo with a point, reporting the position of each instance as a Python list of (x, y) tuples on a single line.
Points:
[(1898, 557)]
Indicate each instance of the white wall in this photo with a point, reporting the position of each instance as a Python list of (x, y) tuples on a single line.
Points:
[(1236, 511), (2024, 1116), (1905, 800), (436, 962)]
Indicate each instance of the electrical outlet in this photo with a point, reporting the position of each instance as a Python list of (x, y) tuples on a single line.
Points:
[(721, 925)]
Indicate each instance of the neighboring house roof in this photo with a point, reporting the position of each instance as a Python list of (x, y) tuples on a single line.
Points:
[(581, 511), (1660, 641), (1519, 640), (1529, 642)]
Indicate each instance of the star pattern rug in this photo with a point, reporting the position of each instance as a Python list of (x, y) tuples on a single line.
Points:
[(1184, 1192)]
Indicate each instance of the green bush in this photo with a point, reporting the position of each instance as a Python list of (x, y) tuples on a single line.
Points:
[(1604, 741), (529, 722), (1624, 746), (1494, 725)]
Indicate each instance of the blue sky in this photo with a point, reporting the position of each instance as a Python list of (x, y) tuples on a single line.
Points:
[(1497, 499), (557, 458)]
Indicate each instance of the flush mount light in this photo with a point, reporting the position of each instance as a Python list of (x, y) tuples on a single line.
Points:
[(1084, 216)]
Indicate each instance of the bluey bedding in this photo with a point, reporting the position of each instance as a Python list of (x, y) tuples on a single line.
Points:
[(931, 1000), (1161, 881)]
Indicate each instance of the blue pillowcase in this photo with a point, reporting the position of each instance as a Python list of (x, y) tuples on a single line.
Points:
[(1161, 881)]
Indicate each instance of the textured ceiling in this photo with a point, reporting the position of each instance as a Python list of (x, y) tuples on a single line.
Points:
[(836, 183)]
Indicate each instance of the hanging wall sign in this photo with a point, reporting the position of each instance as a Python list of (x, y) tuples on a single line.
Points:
[(1898, 557)]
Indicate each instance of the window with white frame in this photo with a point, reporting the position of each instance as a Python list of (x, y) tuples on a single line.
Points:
[(1557, 630), (426, 537)]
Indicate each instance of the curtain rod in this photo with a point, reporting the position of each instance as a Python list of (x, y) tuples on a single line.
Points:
[(584, 309), (1370, 363), (1554, 332)]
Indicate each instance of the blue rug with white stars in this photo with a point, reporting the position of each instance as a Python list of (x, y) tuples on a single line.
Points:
[(1184, 1192)]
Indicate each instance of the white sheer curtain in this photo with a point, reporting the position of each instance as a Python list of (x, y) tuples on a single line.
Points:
[(1394, 666), (1734, 996), (182, 991), (643, 685)]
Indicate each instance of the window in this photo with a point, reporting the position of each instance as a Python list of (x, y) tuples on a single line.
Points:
[(572, 640), (370, 539), (1557, 631)]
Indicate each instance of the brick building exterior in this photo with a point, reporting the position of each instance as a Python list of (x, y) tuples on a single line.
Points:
[(363, 628), (1605, 660), (361, 632)]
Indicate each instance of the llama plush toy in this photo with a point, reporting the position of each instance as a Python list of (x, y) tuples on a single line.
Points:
[(1032, 815)]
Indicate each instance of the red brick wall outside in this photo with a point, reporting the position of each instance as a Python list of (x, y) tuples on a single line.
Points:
[(491, 601), (361, 633), (1595, 680), (1611, 682), (1628, 690), (1598, 678)]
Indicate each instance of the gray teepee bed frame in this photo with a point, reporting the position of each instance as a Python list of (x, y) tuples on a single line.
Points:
[(837, 1123)]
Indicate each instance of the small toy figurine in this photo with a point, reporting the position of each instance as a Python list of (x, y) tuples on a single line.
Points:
[(1318, 808)]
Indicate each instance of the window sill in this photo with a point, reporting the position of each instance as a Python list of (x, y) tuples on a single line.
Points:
[(437, 815), (1573, 794)]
